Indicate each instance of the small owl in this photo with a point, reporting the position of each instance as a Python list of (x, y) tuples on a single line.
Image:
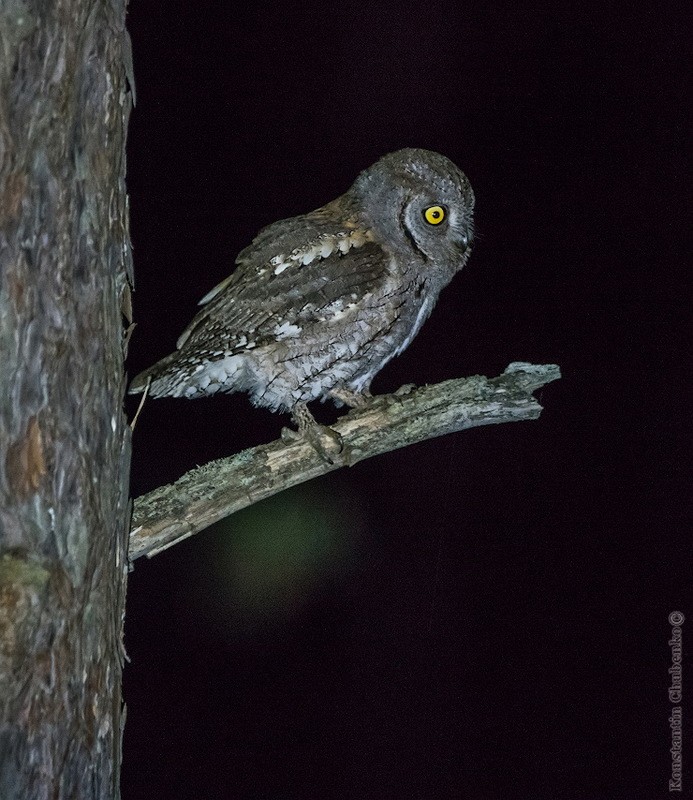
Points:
[(319, 303)]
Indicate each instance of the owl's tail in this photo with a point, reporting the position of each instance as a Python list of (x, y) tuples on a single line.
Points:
[(157, 376), (186, 374)]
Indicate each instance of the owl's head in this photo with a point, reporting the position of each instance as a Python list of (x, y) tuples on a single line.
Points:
[(420, 203)]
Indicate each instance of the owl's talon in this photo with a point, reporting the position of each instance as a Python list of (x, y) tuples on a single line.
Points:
[(396, 397), (352, 399), (289, 436), (325, 441)]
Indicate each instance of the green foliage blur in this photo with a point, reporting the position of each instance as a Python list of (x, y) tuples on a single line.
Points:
[(264, 566)]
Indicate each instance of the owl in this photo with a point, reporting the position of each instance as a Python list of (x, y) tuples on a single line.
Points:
[(319, 303)]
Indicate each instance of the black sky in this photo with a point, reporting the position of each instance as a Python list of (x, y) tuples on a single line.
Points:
[(479, 616)]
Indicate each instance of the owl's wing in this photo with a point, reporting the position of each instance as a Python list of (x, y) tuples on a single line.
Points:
[(295, 272), (287, 235), (283, 236)]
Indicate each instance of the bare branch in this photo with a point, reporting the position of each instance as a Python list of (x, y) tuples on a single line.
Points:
[(209, 493)]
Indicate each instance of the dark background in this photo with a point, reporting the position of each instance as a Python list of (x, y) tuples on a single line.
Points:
[(483, 615)]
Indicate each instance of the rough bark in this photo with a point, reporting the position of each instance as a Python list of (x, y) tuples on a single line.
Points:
[(64, 443), (205, 495)]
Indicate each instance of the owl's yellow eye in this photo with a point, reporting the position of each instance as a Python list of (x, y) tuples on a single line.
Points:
[(434, 215)]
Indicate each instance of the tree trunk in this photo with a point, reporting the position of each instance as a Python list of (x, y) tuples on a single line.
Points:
[(64, 442)]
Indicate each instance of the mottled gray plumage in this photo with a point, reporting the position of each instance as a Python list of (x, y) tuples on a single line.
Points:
[(319, 303)]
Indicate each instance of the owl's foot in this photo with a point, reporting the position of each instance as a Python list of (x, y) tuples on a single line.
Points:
[(385, 401), (326, 442), (351, 399)]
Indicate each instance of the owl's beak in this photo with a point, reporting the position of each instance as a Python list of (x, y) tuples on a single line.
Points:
[(464, 242)]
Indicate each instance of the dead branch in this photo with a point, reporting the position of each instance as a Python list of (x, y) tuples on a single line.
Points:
[(209, 493), (216, 490)]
